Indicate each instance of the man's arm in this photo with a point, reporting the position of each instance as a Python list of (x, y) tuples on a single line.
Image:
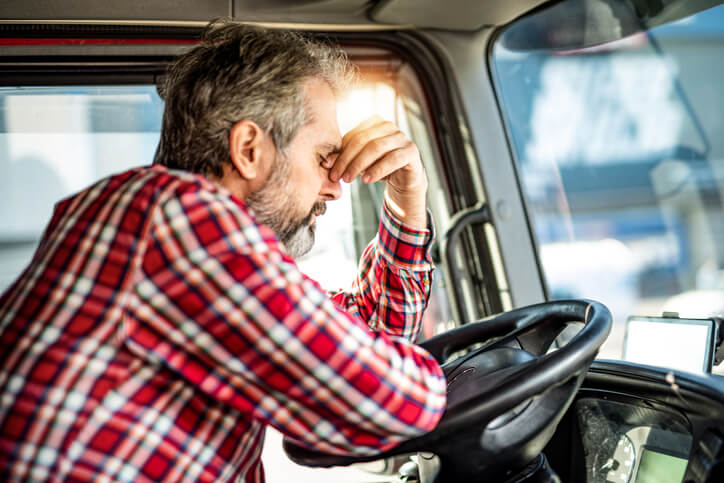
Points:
[(232, 314), (393, 285)]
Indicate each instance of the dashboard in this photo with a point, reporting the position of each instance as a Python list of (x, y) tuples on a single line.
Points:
[(641, 424), (636, 443)]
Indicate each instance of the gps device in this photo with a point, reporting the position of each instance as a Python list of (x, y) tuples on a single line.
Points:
[(678, 343)]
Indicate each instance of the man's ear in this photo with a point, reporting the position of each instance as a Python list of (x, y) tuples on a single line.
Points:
[(248, 148)]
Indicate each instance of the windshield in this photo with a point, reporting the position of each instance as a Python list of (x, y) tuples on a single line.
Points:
[(620, 154)]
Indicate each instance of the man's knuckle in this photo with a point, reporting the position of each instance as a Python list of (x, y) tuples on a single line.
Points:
[(359, 141), (390, 126), (379, 145), (402, 154), (411, 149)]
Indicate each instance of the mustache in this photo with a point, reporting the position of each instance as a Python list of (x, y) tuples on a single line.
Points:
[(319, 208)]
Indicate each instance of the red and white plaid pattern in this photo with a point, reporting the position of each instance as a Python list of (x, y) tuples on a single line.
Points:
[(159, 328)]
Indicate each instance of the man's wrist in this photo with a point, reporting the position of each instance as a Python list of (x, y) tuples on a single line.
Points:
[(409, 208)]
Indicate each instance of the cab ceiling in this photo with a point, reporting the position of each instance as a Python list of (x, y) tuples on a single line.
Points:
[(441, 14)]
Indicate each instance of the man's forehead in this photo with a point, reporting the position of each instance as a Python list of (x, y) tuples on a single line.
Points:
[(321, 105)]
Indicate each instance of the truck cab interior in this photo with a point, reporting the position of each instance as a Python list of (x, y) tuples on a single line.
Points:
[(575, 158)]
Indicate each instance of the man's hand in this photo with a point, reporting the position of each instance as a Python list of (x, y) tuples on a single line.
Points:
[(377, 150)]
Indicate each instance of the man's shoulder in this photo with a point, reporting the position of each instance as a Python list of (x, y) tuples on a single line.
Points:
[(144, 187), (162, 177), (184, 184), (159, 182), (210, 208), (179, 195)]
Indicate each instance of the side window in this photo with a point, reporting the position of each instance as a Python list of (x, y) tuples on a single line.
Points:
[(57, 140)]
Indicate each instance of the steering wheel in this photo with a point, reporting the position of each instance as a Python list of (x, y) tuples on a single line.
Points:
[(505, 398)]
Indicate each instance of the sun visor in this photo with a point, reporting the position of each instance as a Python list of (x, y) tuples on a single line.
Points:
[(451, 14)]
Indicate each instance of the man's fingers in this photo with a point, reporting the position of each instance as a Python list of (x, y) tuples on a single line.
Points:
[(373, 154), (354, 142), (391, 162)]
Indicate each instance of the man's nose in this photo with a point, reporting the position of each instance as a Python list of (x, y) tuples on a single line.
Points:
[(331, 190)]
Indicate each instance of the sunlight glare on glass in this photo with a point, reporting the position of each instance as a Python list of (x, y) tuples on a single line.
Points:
[(359, 104), (334, 237)]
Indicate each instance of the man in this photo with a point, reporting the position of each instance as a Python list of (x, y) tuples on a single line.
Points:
[(162, 322)]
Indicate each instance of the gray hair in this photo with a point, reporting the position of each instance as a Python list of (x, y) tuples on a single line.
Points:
[(240, 72)]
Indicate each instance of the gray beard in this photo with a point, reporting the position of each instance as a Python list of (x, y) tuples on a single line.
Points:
[(273, 206), (299, 242)]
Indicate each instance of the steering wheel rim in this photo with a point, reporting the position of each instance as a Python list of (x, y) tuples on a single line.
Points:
[(545, 372)]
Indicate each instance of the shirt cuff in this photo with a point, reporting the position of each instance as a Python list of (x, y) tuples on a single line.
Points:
[(403, 245)]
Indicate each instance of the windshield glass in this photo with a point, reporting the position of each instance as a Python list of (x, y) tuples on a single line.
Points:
[(620, 154)]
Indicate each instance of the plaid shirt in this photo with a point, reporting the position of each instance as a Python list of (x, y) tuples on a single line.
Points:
[(159, 328)]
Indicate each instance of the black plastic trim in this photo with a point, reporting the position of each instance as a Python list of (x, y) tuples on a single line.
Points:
[(684, 390)]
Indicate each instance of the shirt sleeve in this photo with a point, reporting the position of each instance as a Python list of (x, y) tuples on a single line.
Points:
[(231, 313), (393, 285)]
